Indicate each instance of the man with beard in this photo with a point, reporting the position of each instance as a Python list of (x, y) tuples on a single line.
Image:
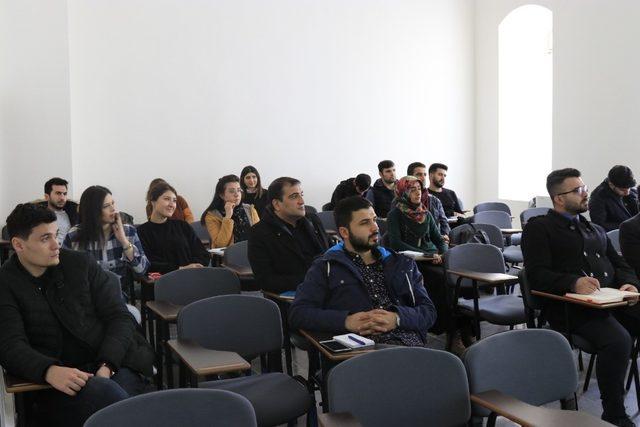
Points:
[(55, 196), (564, 252), (358, 286), (382, 192), (448, 198)]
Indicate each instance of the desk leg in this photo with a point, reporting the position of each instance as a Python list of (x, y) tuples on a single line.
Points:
[(476, 308), (284, 313), (168, 359), (159, 350), (182, 376)]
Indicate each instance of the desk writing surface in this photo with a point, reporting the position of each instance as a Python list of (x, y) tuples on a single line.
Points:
[(488, 278), (579, 302), (340, 419), (242, 271), (203, 361), (511, 230), (17, 385), (315, 337), (164, 310), (279, 297)]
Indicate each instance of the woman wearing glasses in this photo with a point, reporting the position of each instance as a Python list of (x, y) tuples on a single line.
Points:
[(227, 219)]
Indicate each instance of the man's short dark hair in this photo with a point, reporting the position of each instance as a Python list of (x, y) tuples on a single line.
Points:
[(621, 176), (435, 166), (48, 186), (25, 217), (276, 188), (344, 209), (413, 166), (362, 181), (557, 177), (385, 164)]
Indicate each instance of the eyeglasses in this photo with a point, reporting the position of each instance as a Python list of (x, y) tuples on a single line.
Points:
[(582, 190)]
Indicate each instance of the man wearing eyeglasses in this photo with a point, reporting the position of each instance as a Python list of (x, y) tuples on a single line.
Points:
[(615, 200), (564, 252)]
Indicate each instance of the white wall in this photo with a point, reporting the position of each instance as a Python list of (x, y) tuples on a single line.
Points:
[(596, 89), (34, 98)]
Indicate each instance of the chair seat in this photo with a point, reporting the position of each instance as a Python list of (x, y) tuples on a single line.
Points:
[(276, 397), (497, 309), (513, 254)]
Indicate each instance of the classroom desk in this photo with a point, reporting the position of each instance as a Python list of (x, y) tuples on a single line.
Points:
[(339, 419), (217, 255), (244, 273), (14, 407), (164, 313), (580, 302), (529, 416), (283, 305), (510, 231)]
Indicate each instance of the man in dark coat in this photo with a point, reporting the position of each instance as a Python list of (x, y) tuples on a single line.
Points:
[(357, 186), (283, 244), (563, 252), (64, 323), (615, 200), (56, 199), (382, 193)]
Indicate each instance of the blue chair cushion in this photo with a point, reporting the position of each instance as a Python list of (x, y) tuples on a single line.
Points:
[(496, 309), (513, 254)]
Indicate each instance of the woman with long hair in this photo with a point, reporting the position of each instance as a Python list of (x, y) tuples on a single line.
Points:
[(170, 244), (228, 219), (252, 191), (182, 211), (114, 245)]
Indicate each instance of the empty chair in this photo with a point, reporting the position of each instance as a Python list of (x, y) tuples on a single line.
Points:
[(420, 387), (500, 219), (614, 236), (251, 327), (182, 287), (527, 214), (237, 254), (182, 407), (533, 365), (496, 309), (201, 231), (328, 221), (491, 206)]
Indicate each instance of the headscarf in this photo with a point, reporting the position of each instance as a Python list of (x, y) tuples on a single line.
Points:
[(415, 212)]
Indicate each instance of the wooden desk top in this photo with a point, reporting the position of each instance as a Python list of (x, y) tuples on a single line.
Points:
[(278, 297), (243, 272), (488, 278), (203, 361), (579, 302), (17, 385), (165, 310), (511, 230), (315, 337), (528, 415), (338, 419)]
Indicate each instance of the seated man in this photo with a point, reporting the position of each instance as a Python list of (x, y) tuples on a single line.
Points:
[(65, 324), (563, 252), (55, 195), (284, 243), (615, 200), (360, 287), (431, 202), (357, 186), (630, 242), (448, 198), (383, 191)]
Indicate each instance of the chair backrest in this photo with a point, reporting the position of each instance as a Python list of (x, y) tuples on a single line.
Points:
[(531, 302), (614, 236), (327, 220), (533, 365), (185, 407), (309, 208), (527, 214), (200, 230), (247, 325), (182, 287), (474, 257), (498, 218), (493, 232), (491, 206), (5, 233), (237, 254), (420, 387)]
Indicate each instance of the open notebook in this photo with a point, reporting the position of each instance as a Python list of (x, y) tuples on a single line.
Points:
[(605, 296)]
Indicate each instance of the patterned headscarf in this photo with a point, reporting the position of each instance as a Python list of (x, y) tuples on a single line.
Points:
[(415, 212)]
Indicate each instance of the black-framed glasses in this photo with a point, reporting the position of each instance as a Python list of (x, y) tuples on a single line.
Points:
[(582, 190)]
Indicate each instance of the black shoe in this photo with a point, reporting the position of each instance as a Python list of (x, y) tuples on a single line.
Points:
[(620, 422)]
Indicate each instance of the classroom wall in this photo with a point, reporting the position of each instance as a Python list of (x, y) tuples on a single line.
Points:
[(191, 91), (596, 89)]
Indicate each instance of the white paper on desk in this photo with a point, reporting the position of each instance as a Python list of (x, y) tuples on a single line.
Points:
[(412, 254), (217, 251), (604, 295)]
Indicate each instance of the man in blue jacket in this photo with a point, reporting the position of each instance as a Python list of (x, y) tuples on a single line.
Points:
[(358, 286)]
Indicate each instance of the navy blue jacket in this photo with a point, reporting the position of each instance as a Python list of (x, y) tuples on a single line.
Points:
[(333, 289)]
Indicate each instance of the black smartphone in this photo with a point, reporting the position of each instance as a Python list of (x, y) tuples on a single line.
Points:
[(335, 346)]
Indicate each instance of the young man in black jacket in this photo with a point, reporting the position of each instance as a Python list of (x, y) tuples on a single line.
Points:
[(284, 243), (382, 193), (64, 323), (57, 201), (563, 252), (615, 200)]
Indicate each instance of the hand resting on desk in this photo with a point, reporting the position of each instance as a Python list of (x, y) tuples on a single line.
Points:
[(371, 322)]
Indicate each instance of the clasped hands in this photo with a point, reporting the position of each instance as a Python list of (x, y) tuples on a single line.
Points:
[(373, 322)]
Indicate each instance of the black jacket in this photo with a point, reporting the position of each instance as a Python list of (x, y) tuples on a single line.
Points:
[(276, 259), (77, 297), (380, 197), (558, 251), (346, 188), (608, 209), (71, 208), (630, 242)]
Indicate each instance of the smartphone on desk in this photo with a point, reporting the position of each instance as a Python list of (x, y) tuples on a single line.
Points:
[(335, 346)]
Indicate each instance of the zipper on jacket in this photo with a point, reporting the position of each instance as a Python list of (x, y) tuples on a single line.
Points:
[(410, 288)]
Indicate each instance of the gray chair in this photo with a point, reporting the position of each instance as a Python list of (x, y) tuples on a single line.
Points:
[(491, 206), (527, 214), (614, 236), (182, 407), (328, 221), (420, 387), (182, 287), (309, 208), (237, 254), (250, 326), (201, 231), (496, 309), (533, 365), (500, 219)]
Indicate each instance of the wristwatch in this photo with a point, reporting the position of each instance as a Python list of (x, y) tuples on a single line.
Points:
[(397, 320), (106, 365), (129, 246)]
